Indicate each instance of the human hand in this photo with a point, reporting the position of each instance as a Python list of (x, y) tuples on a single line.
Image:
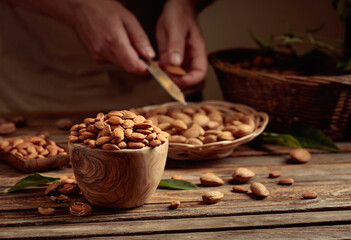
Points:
[(111, 33), (180, 42)]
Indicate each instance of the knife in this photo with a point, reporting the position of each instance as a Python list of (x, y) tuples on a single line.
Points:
[(167, 84)]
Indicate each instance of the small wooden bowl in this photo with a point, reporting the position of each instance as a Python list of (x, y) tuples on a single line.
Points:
[(118, 178)]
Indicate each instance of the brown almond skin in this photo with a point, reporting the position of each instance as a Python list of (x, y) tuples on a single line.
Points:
[(210, 179), (175, 204), (309, 195), (46, 211), (239, 189), (178, 177), (259, 190), (300, 155), (286, 181), (274, 174), (243, 174), (212, 197)]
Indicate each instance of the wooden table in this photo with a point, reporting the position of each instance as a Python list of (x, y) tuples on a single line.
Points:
[(282, 215)]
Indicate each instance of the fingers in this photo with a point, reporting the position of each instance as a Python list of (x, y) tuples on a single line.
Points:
[(176, 44), (197, 61), (138, 37), (122, 53)]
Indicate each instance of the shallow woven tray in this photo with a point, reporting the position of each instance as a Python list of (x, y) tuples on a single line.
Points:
[(221, 149)]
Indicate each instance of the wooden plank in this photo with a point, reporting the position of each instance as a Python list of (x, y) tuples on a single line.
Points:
[(209, 224), (315, 232)]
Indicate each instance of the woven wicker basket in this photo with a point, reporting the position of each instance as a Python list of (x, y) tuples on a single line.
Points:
[(320, 102), (181, 151)]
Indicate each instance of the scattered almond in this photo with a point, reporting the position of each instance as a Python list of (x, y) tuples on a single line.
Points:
[(243, 174), (80, 209), (239, 189), (259, 190), (46, 211), (178, 177), (309, 195), (210, 179), (212, 197), (300, 155), (286, 181), (175, 204), (274, 174)]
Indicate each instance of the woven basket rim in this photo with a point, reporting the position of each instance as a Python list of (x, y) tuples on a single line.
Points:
[(306, 80)]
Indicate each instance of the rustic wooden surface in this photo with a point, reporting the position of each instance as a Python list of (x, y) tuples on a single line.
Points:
[(282, 215)]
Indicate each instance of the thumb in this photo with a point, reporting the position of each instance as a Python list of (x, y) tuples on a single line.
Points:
[(176, 45)]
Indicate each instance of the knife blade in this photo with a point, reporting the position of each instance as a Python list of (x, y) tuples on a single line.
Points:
[(167, 84)]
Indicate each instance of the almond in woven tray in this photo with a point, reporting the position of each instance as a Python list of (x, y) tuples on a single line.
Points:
[(198, 126)]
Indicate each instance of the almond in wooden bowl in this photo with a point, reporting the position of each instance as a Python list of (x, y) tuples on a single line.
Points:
[(123, 176), (205, 130)]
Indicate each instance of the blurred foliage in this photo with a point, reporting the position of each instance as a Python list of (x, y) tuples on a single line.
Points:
[(307, 48)]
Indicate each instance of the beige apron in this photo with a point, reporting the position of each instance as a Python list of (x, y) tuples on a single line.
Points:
[(44, 67)]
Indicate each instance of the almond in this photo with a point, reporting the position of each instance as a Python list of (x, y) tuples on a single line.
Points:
[(46, 211), (210, 179), (309, 195), (155, 143), (175, 70), (243, 174), (109, 146), (286, 181), (102, 140), (274, 174), (177, 139), (178, 177), (300, 155), (139, 119), (194, 131), (212, 197), (136, 145), (239, 189), (259, 190), (115, 120), (179, 125), (175, 204), (210, 139), (200, 119), (226, 136), (194, 141)]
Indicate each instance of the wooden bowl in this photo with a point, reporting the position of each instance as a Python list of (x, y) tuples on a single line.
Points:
[(118, 178)]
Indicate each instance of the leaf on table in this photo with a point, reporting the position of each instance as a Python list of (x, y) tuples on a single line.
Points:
[(177, 184), (31, 180), (300, 136), (313, 138), (279, 138)]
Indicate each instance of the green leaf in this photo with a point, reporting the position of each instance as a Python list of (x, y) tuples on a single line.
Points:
[(31, 180), (262, 44), (313, 138), (278, 138), (177, 184)]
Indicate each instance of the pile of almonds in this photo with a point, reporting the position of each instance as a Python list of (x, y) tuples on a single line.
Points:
[(117, 130), (58, 192), (32, 147), (198, 126)]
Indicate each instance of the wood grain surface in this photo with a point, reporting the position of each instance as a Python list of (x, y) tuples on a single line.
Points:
[(282, 215)]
